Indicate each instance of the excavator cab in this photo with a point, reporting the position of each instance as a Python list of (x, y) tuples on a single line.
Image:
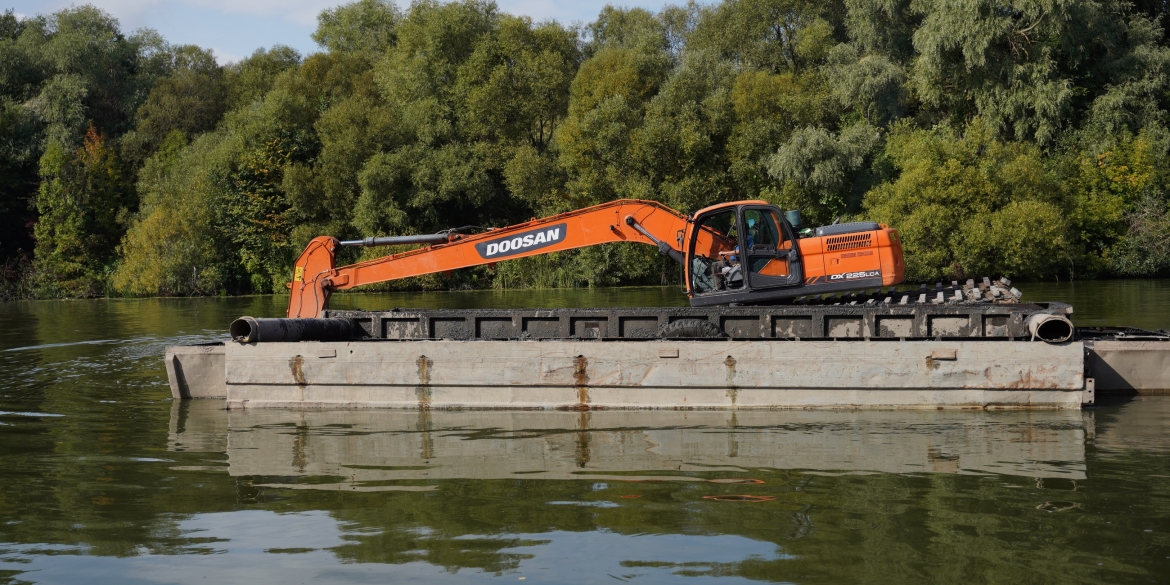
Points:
[(741, 253)]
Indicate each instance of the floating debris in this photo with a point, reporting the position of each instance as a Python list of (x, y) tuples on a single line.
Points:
[(1058, 506), (740, 498)]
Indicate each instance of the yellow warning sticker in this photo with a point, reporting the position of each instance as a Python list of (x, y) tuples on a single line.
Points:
[(299, 274)]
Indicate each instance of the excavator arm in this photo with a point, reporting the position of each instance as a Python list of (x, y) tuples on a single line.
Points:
[(315, 276)]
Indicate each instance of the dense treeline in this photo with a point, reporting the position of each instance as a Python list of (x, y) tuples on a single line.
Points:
[(1028, 138)]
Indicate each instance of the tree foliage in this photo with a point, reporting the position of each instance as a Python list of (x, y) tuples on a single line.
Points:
[(1024, 138), (967, 204), (82, 202)]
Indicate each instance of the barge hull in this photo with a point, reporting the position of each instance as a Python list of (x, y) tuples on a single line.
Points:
[(1129, 367), (708, 374)]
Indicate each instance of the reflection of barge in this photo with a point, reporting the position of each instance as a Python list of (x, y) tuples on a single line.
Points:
[(368, 447), (861, 353)]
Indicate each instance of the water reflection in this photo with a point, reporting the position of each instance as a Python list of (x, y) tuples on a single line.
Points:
[(627, 494), (369, 448), (1133, 425), (304, 547)]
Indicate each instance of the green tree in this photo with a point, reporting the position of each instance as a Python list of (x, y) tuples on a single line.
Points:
[(91, 73), (59, 75), (770, 35), (1145, 249), (966, 125), (1119, 199), (1031, 68), (171, 246), (367, 27), (248, 80), (19, 144), (474, 90), (191, 99), (82, 203), (819, 170), (968, 205), (608, 98)]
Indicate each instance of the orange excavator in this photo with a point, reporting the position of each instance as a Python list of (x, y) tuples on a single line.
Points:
[(742, 252)]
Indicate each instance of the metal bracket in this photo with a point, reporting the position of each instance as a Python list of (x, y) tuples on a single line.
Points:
[(1089, 394)]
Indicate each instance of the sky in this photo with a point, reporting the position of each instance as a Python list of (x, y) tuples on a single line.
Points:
[(235, 28)]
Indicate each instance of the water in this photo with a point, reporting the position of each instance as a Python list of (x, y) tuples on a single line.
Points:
[(1136, 303), (103, 479)]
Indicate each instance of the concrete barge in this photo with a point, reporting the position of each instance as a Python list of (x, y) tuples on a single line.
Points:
[(873, 355)]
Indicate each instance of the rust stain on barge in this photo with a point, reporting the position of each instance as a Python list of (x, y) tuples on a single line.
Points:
[(423, 391), (297, 366), (732, 390), (581, 380)]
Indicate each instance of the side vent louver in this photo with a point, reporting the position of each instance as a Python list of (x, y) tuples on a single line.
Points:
[(849, 242)]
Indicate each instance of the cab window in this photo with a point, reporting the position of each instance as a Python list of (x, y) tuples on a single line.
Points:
[(715, 265), (763, 232), (768, 249)]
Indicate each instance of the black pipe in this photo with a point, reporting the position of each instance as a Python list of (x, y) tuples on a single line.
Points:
[(253, 330), (399, 240)]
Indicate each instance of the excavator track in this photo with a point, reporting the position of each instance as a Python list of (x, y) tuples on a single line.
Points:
[(999, 291)]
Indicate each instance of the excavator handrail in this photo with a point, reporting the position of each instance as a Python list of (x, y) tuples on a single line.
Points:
[(492, 234)]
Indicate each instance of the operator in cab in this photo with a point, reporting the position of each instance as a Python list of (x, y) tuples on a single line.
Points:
[(717, 262)]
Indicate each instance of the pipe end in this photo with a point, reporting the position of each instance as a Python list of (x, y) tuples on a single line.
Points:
[(244, 330), (1050, 328)]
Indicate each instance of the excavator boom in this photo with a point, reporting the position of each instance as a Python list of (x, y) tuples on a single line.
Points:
[(315, 276)]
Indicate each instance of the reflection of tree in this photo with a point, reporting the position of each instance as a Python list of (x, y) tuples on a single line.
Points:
[(74, 479), (883, 527)]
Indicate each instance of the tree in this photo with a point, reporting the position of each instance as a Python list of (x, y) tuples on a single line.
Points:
[(967, 205), (1022, 137), (70, 87), (1145, 249), (19, 142), (1030, 68), (248, 80), (171, 246), (191, 99), (474, 90), (818, 170), (367, 27), (91, 70), (82, 203), (769, 35)]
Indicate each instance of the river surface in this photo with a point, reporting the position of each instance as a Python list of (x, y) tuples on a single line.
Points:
[(104, 479)]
